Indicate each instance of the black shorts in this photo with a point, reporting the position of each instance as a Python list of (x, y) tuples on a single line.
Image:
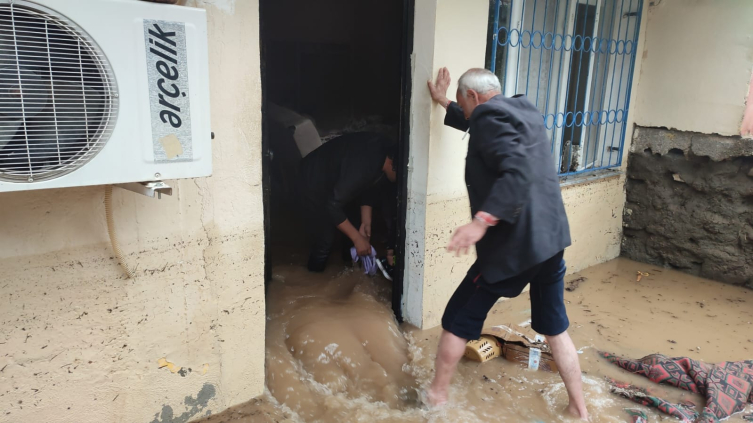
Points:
[(466, 312)]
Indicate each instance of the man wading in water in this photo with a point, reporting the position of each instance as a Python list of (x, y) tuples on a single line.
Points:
[(519, 227)]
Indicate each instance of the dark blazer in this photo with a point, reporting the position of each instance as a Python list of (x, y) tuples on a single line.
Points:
[(510, 174), (343, 170)]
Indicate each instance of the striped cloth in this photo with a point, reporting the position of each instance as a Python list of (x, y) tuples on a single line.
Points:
[(369, 262)]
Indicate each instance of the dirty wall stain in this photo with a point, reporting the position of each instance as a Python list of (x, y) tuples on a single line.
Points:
[(195, 406)]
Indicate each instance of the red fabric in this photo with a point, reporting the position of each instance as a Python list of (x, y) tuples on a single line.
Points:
[(684, 412), (727, 386)]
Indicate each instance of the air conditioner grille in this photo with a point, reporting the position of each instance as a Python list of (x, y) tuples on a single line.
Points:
[(58, 96)]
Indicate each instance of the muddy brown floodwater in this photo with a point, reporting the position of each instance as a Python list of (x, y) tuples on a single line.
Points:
[(336, 354)]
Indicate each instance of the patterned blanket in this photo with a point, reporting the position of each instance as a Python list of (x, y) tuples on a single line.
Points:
[(728, 386), (637, 416)]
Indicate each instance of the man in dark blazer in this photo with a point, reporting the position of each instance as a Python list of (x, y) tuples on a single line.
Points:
[(519, 226)]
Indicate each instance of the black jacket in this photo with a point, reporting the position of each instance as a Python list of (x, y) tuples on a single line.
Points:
[(344, 170), (511, 175)]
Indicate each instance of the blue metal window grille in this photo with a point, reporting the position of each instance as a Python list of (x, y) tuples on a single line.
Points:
[(574, 59)]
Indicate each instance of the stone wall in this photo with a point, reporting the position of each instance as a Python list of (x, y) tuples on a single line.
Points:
[(690, 204)]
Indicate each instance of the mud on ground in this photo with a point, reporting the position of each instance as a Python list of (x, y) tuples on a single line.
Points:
[(334, 353)]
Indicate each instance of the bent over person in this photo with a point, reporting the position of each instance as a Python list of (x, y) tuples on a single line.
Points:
[(338, 188), (519, 227)]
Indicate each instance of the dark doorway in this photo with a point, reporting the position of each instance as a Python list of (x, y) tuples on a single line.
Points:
[(330, 67)]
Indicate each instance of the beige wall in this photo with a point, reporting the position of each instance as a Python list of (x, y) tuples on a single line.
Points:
[(697, 66), (422, 66), (78, 341), (448, 33), (460, 44), (452, 33), (594, 210)]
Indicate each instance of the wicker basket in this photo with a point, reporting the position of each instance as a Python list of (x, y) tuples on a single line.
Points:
[(483, 349)]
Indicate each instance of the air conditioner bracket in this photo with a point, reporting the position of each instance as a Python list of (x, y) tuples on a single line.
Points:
[(150, 189)]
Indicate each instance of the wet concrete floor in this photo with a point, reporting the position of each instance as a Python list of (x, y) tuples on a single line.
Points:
[(335, 353)]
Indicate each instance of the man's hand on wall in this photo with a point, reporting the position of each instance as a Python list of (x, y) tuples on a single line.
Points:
[(439, 88)]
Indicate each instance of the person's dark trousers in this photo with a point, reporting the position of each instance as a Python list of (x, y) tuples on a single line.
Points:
[(353, 211), (469, 306), (322, 237), (389, 214)]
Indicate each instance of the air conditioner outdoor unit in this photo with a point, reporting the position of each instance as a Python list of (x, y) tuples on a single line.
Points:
[(96, 92)]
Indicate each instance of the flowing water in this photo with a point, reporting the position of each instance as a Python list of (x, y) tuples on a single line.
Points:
[(336, 354)]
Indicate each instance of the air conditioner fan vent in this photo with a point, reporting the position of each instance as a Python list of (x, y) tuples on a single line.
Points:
[(58, 95)]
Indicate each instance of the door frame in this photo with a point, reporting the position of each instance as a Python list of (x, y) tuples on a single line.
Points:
[(402, 159), (266, 156)]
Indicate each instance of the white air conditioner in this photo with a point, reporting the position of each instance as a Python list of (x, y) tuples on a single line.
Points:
[(96, 92)]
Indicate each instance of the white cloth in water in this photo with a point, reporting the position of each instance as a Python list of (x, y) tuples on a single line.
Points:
[(369, 262)]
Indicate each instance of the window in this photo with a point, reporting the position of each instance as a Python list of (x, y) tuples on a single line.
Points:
[(574, 59)]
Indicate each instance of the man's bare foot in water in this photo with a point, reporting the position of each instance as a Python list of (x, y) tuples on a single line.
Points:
[(436, 398), (573, 411)]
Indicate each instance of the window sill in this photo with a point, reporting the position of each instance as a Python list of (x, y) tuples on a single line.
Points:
[(589, 177)]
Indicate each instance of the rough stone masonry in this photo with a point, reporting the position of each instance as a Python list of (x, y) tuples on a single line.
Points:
[(690, 204)]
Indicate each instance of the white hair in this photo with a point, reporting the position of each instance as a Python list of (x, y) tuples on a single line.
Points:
[(480, 80)]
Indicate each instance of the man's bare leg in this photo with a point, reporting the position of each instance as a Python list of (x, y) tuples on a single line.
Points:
[(566, 357), (449, 353)]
